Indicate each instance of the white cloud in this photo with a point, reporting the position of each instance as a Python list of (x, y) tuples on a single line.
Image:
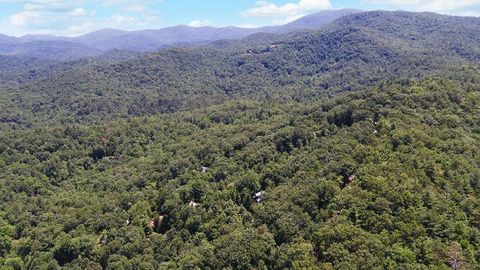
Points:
[(23, 18), (80, 26), (138, 8), (78, 12), (75, 17), (40, 18), (441, 6), (267, 9), (200, 23), (119, 19)]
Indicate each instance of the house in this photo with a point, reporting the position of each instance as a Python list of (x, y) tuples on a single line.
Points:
[(104, 240), (155, 222), (192, 204), (151, 224), (258, 197), (351, 178)]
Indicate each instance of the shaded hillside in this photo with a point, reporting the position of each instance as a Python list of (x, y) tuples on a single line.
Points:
[(347, 55)]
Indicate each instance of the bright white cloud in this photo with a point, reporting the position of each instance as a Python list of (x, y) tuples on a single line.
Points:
[(267, 9), (119, 19), (80, 25), (441, 6), (37, 18), (200, 23)]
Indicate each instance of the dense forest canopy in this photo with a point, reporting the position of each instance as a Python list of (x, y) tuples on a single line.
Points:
[(354, 146)]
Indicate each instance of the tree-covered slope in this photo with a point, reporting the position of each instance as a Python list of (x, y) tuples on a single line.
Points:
[(386, 178), (353, 52)]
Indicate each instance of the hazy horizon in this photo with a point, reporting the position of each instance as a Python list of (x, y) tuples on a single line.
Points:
[(187, 25)]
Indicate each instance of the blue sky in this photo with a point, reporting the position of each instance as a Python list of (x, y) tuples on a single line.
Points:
[(75, 17)]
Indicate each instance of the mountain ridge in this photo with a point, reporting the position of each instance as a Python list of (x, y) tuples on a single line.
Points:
[(154, 39)]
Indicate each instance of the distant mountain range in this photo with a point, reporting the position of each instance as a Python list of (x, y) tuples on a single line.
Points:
[(96, 43)]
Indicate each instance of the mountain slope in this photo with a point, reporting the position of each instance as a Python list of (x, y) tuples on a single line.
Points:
[(349, 54), (456, 35)]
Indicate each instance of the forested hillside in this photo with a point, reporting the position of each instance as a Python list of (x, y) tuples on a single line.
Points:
[(354, 146), (381, 179), (351, 53)]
